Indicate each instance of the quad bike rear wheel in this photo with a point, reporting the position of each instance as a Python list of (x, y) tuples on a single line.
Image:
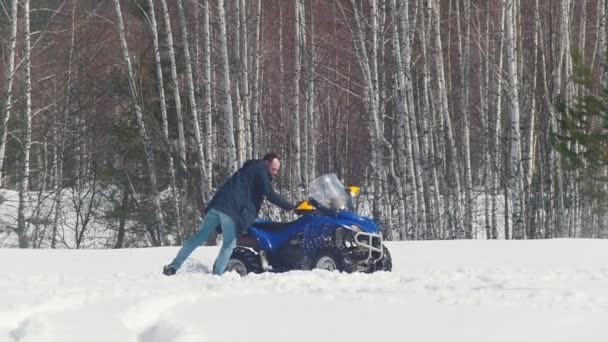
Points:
[(243, 261)]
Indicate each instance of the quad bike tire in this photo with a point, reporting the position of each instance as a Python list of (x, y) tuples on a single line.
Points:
[(330, 259), (244, 261), (386, 263)]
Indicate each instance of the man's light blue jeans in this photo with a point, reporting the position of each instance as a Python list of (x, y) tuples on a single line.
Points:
[(210, 222)]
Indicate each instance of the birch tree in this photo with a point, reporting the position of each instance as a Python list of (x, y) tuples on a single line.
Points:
[(297, 141), (368, 62), (22, 225), (443, 102), (10, 74), (207, 105), (229, 143), (420, 182), (464, 55), (165, 124), (256, 84), (193, 104), (515, 172), (158, 236), (181, 142), (434, 218)]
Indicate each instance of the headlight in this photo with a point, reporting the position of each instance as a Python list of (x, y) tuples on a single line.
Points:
[(356, 228)]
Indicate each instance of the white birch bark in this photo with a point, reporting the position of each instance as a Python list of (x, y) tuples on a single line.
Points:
[(305, 55), (181, 142), (411, 155), (496, 151), (421, 180), (244, 77), (443, 101), (367, 58), (515, 172), (207, 105), (297, 141), (435, 217), (401, 148), (22, 226), (311, 98), (531, 136), (229, 142), (602, 41), (464, 61), (165, 124), (59, 136), (256, 84), (193, 104), (603, 58), (149, 154), (10, 73), (235, 49), (484, 96)]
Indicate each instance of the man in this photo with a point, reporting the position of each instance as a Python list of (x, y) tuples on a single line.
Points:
[(234, 208)]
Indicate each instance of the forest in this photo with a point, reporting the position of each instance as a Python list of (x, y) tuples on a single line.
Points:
[(460, 119)]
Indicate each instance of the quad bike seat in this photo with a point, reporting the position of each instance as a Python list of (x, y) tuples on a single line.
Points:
[(272, 227), (248, 241)]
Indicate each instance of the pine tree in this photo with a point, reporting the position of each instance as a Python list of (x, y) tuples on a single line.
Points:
[(583, 143), (585, 124)]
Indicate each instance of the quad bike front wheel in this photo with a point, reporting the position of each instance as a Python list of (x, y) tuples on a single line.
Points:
[(330, 260), (386, 263), (243, 261)]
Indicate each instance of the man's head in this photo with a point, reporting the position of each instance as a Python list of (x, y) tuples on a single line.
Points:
[(272, 163)]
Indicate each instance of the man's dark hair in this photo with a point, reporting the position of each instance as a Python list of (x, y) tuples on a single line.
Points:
[(270, 156)]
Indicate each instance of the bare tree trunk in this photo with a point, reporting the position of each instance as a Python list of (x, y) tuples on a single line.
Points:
[(368, 61), (244, 76), (435, 218), (163, 109), (515, 172), (464, 53), (311, 98), (557, 173), (297, 142), (420, 181), (207, 109), (59, 137), (227, 92), (443, 99), (159, 235), (403, 157), (193, 104), (239, 123), (256, 84), (10, 77), (531, 138), (602, 41), (176, 95), (22, 225), (496, 132), (484, 96)]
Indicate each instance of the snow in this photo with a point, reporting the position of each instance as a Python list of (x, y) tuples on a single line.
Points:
[(543, 290)]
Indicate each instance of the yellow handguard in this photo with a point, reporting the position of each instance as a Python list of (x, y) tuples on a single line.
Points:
[(353, 190), (304, 207)]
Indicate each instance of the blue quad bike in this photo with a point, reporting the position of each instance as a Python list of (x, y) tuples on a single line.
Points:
[(327, 236)]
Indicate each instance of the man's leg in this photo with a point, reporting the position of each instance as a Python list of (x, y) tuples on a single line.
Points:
[(210, 222), (228, 244)]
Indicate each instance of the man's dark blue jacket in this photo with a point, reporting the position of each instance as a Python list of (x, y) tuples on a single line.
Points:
[(243, 193)]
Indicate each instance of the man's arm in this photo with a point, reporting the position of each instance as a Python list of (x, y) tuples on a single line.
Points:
[(272, 196)]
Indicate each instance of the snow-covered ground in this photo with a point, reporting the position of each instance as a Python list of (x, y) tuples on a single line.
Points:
[(551, 290)]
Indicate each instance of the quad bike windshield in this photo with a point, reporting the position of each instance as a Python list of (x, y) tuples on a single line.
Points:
[(328, 192)]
